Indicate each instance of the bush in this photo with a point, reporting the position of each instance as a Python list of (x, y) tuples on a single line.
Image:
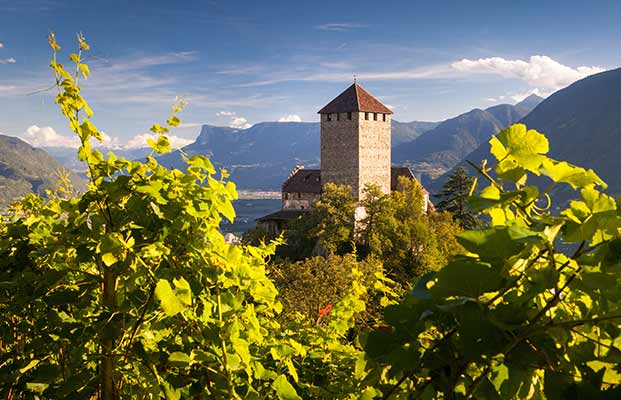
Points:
[(311, 287)]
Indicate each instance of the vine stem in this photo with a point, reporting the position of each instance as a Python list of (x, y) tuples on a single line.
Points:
[(223, 344)]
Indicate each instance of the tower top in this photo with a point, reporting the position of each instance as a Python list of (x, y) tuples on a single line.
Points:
[(355, 98)]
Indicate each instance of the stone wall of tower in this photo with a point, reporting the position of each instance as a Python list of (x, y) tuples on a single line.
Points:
[(356, 152), (339, 150), (374, 151)]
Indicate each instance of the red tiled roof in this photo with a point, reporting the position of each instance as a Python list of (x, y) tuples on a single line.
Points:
[(355, 98)]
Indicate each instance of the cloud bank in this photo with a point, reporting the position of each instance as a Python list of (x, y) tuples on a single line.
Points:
[(291, 118), (540, 72)]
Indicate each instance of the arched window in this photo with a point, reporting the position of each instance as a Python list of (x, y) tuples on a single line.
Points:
[(329, 117)]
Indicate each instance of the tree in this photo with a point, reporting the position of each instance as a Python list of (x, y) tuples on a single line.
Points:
[(408, 240), (335, 211), (454, 198)]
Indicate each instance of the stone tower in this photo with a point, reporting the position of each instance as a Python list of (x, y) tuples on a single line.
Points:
[(355, 141)]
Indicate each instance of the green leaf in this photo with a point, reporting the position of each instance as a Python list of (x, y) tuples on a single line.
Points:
[(178, 357), (109, 259), (466, 278), (575, 176), (169, 301), (498, 243), (284, 390)]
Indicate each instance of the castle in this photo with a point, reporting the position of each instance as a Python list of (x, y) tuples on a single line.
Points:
[(355, 151)]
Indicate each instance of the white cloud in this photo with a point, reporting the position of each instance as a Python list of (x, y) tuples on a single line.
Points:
[(140, 141), (239, 123), (291, 118), (7, 60), (225, 113), (340, 27), (46, 136), (538, 71), (1, 45)]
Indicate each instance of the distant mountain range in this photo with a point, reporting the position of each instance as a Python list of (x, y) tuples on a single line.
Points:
[(262, 156), (25, 169), (583, 124), (441, 148)]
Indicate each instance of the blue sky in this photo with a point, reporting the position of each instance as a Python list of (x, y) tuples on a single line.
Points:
[(242, 62)]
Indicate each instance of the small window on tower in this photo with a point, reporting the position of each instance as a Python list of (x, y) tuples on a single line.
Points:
[(329, 117), (366, 116), (349, 115), (299, 195), (384, 117), (338, 116), (286, 196), (374, 116)]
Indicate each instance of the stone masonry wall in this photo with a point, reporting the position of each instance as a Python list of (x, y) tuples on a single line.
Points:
[(374, 152), (356, 152), (339, 150), (298, 200)]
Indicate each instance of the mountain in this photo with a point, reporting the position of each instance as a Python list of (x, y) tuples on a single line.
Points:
[(530, 102), (262, 156), (68, 156), (25, 169), (583, 124), (439, 149), (258, 158), (403, 132)]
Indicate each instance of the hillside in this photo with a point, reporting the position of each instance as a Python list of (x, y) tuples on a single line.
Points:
[(583, 123), (25, 169), (441, 148)]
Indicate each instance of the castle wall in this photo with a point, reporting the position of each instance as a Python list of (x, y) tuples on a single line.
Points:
[(356, 152), (339, 150), (298, 200), (374, 152)]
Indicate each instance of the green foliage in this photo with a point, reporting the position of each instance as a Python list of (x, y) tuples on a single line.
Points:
[(515, 317), (335, 212), (454, 198), (130, 290), (309, 286), (409, 240)]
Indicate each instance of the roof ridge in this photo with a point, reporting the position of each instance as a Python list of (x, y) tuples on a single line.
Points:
[(356, 86)]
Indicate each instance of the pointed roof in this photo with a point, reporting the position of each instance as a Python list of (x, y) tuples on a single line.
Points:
[(355, 98)]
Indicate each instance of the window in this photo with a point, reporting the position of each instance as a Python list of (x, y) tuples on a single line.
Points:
[(384, 117), (299, 195), (366, 116), (286, 196), (329, 117), (374, 116), (338, 116), (349, 115)]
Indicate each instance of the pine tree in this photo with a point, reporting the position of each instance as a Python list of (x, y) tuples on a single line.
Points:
[(454, 198)]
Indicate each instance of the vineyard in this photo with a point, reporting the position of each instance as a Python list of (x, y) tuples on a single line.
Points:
[(130, 290)]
